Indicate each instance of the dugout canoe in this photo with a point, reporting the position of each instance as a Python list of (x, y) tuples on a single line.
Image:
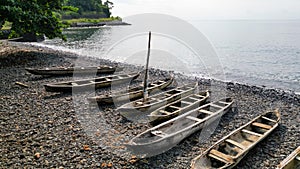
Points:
[(292, 161), (178, 107), (67, 71), (164, 136), (90, 84), (228, 152), (139, 109), (132, 93)]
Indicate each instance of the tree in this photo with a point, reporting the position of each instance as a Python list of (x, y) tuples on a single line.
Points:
[(107, 6), (36, 17)]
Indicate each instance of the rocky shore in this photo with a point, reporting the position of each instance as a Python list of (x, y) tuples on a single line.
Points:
[(53, 130)]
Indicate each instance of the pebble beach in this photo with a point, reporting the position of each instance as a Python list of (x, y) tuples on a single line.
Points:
[(40, 129)]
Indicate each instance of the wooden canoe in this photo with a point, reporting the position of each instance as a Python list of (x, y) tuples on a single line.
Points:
[(90, 84), (178, 107), (139, 109), (131, 93), (292, 161), (64, 71), (164, 136), (227, 152)]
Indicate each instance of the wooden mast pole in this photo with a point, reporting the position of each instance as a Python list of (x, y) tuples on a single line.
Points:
[(146, 73)]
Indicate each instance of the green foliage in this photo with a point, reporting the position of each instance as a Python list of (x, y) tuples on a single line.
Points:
[(6, 25), (95, 6), (32, 17)]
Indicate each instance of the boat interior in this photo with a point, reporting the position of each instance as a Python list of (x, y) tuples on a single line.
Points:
[(236, 144)]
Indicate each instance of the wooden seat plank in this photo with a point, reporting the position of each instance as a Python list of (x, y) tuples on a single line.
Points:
[(214, 105), (261, 125), (205, 111), (221, 155), (174, 107), (223, 102), (197, 95), (164, 112), (266, 118), (252, 133), (235, 143), (186, 102), (159, 133), (193, 98), (194, 118)]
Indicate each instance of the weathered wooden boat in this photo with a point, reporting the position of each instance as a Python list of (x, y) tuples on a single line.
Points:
[(132, 93), (90, 84), (61, 71), (178, 107), (227, 152), (139, 109), (164, 136), (292, 161)]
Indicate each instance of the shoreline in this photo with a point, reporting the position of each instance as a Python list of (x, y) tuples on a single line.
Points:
[(58, 126)]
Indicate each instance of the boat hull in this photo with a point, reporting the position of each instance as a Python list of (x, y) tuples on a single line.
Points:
[(164, 136), (132, 94), (71, 70), (230, 150), (135, 113), (88, 84)]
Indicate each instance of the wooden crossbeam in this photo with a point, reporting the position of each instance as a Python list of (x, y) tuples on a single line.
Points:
[(223, 102), (196, 99), (174, 107), (261, 125), (235, 143), (164, 112), (252, 133), (214, 105), (220, 156), (266, 118), (197, 95), (186, 102), (194, 118), (159, 133), (206, 111)]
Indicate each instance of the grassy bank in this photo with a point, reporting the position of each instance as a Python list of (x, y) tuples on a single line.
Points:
[(88, 20)]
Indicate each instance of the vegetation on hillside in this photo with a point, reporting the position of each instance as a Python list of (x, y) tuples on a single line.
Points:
[(43, 17)]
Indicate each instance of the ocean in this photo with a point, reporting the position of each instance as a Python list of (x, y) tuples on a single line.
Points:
[(261, 53)]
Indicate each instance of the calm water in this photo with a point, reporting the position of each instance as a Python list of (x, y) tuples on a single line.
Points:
[(253, 52)]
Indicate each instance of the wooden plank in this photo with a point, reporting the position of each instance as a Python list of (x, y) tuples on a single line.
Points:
[(206, 111), (266, 118), (252, 133), (193, 98), (226, 158), (261, 125), (175, 107), (159, 133), (168, 94), (223, 102), (186, 102), (197, 95), (218, 158), (21, 84), (164, 112), (214, 105), (235, 143), (194, 118)]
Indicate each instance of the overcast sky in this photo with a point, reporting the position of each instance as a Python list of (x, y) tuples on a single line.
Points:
[(212, 9)]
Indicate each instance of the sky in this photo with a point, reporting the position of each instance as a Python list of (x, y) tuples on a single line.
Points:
[(212, 9)]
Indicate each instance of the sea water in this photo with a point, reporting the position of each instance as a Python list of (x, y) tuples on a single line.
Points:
[(262, 53)]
